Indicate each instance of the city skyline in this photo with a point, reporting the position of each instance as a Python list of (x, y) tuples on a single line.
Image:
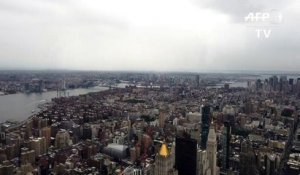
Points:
[(192, 36)]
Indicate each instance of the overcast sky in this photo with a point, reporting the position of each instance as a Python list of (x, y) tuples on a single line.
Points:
[(159, 35)]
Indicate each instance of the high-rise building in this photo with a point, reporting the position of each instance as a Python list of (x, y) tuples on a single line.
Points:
[(297, 140), (291, 81), (132, 152), (197, 80), (7, 168), (27, 156), (247, 159), (62, 139), (87, 132), (225, 140), (205, 125), (226, 86), (271, 164), (211, 149), (162, 118), (38, 145), (273, 81), (186, 156), (46, 132), (202, 163), (164, 162)]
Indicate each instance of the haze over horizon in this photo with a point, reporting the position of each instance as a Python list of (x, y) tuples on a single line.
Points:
[(169, 35)]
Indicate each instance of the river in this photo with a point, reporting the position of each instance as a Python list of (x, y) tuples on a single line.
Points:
[(19, 107)]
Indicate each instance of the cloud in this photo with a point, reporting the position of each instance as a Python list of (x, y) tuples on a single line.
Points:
[(145, 35), (238, 9)]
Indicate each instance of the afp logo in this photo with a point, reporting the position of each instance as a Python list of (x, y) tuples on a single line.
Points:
[(263, 22)]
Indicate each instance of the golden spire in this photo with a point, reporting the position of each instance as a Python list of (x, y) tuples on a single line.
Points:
[(164, 150)]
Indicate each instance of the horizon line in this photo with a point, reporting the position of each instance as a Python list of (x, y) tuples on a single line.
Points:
[(156, 71)]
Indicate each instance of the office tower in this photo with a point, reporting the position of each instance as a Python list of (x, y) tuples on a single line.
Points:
[(226, 86), (225, 140), (229, 113), (205, 125), (173, 153), (271, 164), (77, 134), (162, 118), (3, 156), (62, 139), (146, 143), (247, 159), (29, 126), (163, 162), (211, 149), (197, 80), (87, 132), (249, 107), (39, 145), (186, 156), (54, 129), (11, 151), (297, 140), (132, 152), (202, 163), (14, 139), (27, 156), (274, 82), (258, 84), (283, 83), (194, 117), (291, 81), (46, 132), (25, 169), (138, 150), (7, 168)]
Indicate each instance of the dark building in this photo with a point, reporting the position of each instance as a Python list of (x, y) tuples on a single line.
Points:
[(226, 86), (226, 135), (197, 80), (291, 81), (205, 125), (247, 159), (87, 132), (186, 156), (271, 162), (259, 84), (273, 81)]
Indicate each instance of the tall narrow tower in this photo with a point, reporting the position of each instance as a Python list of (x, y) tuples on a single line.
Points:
[(225, 140), (164, 162), (205, 126), (211, 148)]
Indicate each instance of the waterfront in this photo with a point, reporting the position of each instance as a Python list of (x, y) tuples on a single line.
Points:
[(18, 107)]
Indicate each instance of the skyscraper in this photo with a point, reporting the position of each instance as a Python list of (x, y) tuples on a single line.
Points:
[(205, 125), (247, 159), (197, 80), (46, 132), (225, 140), (164, 162), (62, 139), (186, 156), (211, 149), (271, 164), (87, 132)]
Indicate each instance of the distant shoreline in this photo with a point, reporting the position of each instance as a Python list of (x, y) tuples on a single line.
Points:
[(16, 107)]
